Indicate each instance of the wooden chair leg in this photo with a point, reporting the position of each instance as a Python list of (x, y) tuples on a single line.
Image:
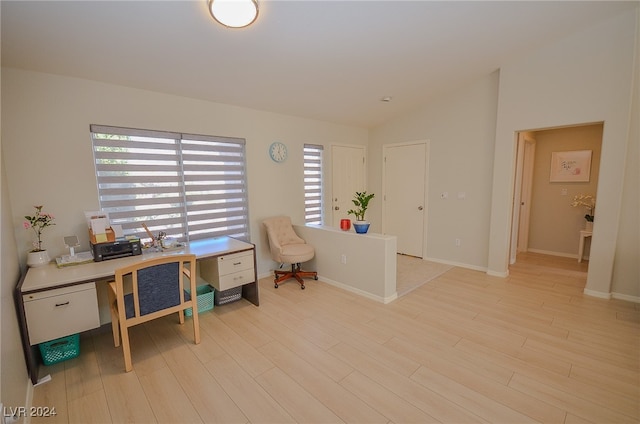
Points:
[(126, 349), (196, 329), (114, 316)]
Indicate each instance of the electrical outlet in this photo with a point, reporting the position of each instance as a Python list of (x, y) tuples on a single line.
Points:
[(457, 242)]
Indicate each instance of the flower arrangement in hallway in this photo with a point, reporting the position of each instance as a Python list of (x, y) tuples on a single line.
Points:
[(38, 222), (588, 201)]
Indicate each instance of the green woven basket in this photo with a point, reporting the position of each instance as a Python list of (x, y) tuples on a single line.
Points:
[(61, 349), (204, 296)]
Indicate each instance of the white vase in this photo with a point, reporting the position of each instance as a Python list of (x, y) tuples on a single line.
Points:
[(36, 259), (588, 225)]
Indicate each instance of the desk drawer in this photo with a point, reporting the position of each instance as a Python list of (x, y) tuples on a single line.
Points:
[(228, 271), (236, 279), (61, 312), (229, 264)]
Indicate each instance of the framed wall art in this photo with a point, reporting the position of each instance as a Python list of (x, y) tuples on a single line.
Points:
[(569, 167)]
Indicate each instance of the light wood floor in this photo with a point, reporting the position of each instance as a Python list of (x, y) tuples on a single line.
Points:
[(465, 347)]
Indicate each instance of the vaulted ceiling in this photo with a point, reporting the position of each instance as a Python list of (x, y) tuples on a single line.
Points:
[(326, 60)]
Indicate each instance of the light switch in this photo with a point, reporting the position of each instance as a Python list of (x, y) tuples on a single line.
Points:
[(462, 195)]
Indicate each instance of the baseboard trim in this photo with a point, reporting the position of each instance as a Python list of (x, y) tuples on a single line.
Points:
[(28, 401), (628, 298), (601, 295), (504, 274), (457, 264), (560, 254), (363, 293), (609, 296)]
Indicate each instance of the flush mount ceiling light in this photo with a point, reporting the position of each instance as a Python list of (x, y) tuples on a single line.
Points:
[(234, 13), (386, 99)]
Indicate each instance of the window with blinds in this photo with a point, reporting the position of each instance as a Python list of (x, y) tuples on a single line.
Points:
[(313, 184), (188, 186)]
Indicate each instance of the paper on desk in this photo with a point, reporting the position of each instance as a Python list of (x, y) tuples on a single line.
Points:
[(117, 230), (91, 215), (99, 226)]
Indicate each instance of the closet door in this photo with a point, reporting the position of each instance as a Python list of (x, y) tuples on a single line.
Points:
[(404, 208)]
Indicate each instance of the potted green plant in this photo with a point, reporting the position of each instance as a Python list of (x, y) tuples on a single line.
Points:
[(38, 256), (361, 201)]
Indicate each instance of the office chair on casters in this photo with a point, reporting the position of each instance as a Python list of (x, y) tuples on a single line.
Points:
[(157, 290), (287, 247)]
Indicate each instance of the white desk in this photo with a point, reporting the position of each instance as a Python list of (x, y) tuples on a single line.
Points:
[(50, 276), (583, 235), (49, 279)]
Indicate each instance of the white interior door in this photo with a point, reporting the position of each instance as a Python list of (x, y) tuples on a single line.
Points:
[(404, 195), (525, 200), (348, 175), (522, 195)]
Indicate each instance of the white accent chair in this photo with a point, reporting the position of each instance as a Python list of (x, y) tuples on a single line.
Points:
[(287, 247)]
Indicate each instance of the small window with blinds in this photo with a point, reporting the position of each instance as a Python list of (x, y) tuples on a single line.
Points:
[(313, 184), (188, 186)]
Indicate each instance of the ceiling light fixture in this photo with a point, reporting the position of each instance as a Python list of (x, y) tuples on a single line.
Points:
[(386, 99), (234, 13)]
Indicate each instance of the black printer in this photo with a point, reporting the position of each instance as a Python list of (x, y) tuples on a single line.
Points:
[(115, 249)]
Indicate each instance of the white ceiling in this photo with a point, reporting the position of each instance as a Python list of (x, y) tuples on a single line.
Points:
[(325, 60)]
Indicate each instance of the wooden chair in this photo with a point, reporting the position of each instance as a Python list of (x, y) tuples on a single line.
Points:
[(157, 290), (287, 247)]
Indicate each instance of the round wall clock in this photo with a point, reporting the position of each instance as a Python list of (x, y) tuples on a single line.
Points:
[(278, 151)]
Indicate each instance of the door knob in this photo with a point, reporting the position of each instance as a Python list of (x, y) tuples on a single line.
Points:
[(337, 208), (420, 208)]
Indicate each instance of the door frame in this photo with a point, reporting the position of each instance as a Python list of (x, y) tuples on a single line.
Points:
[(427, 144)]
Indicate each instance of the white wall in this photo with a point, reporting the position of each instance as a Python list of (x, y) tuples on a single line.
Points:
[(15, 381), (584, 78), (626, 266), (48, 155), (460, 127)]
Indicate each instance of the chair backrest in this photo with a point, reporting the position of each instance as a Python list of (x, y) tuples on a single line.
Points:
[(280, 233), (157, 285)]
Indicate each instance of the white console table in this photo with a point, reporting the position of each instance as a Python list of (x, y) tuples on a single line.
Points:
[(56, 302), (584, 234)]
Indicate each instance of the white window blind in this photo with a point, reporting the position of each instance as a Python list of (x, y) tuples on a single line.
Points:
[(313, 184), (188, 186)]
